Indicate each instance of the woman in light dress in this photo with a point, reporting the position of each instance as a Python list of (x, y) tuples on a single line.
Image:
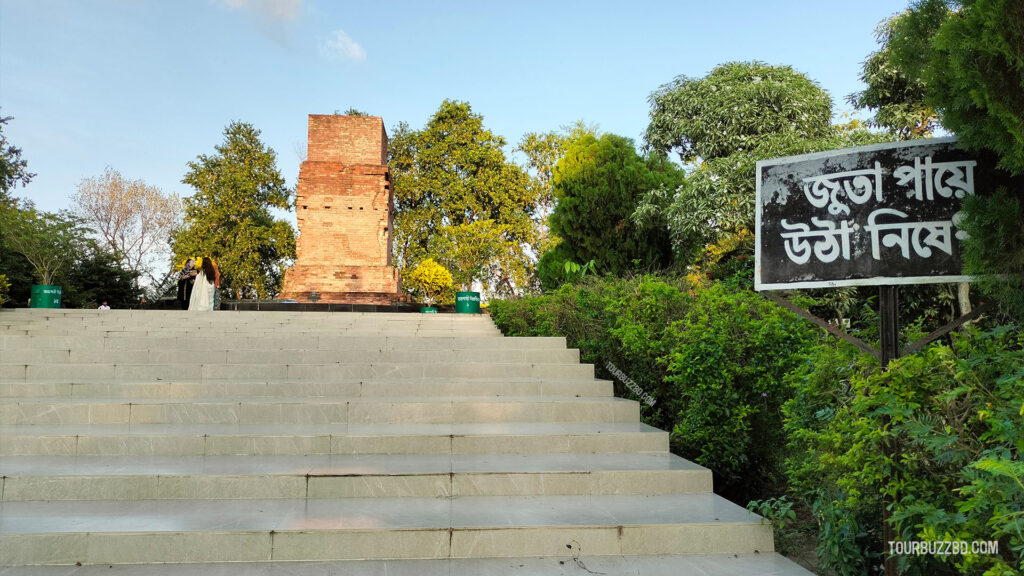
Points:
[(205, 287)]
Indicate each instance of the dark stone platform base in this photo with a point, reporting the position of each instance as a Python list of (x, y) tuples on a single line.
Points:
[(278, 306)]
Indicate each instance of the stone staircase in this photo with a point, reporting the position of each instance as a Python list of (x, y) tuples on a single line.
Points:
[(167, 442)]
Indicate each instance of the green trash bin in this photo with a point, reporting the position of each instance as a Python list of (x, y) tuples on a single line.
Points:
[(44, 296), (467, 302)]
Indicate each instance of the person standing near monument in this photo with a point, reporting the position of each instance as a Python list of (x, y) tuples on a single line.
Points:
[(186, 280), (206, 283)]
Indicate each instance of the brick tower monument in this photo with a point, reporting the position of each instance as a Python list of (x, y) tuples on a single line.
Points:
[(345, 209)]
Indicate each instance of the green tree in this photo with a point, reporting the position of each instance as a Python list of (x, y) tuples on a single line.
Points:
[(459, 201), (898, 100), (598, 183), (973, 70), (13, 168), (969, 57), (229, 219), (97, 276), (543, 151), (49, 241), (721, 125), (733, 109)]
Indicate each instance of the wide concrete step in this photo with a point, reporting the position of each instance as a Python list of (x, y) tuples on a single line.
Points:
[(11, 344), (313, 371), (259, 333), (24, 315), (231, 317), (242, 389), (28, 478), (760, 564), (119, 532), (319, 410), (264, 356), (294, 440)]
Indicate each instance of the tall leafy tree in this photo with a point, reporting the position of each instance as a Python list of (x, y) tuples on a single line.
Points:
[(720, 126), (13, 171), (896, 97), (969, 57), (48, 241), (733, 109), (229, 215), (13, 168), (460, 201), (598, 184), (543, 151)]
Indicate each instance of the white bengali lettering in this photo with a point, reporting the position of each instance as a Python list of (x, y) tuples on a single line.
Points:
[(858, 186)]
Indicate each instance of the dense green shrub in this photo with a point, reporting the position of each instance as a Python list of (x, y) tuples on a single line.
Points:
[(621, 321), (96, 277), (730, 353), (955, 417), (713, 359), (551, 269)]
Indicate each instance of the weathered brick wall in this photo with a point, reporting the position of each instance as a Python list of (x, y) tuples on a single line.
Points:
[(347, 139), (344, 206)]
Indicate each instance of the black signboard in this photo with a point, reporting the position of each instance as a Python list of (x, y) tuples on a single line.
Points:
[(871, 215)]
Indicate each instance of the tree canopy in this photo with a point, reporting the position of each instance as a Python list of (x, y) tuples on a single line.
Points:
[(598, 184), (733, 108), (721, 125), (49, 241), (967, 59), (461, 202), (133, 219), (896, 97), (229, 218), (13, 168)]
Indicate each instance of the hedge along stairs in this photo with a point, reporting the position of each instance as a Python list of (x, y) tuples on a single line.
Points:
[(337, 443)]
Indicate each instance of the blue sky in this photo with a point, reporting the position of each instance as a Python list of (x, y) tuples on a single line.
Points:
[(145, 86)]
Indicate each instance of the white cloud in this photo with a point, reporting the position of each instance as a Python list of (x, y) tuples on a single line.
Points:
[(269, 10), (275, 18), (341, 46)]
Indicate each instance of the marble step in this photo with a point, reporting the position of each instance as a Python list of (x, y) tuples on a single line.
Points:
[(760, 564), (315, 371), (298, 410), (238, 316), (27, 478), (242, 439), (258, 332), (296, 342), (194, 389), (304, 356), (120, 532), (86, 317)]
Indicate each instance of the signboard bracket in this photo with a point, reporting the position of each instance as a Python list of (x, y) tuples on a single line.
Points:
[(830, 328), (865, 347)]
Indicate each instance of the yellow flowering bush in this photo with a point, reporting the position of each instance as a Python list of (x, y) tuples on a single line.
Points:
[(428, 280)]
